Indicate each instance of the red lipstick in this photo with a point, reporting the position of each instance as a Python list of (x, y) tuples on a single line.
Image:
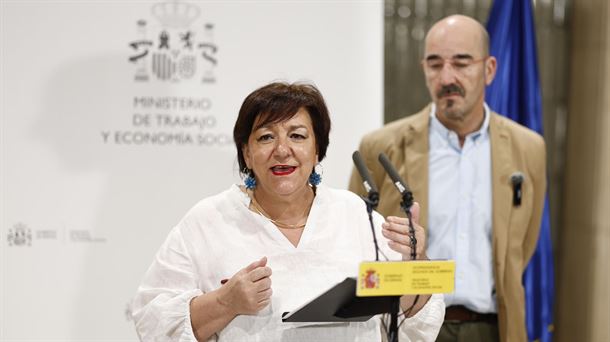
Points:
[(282, 170)]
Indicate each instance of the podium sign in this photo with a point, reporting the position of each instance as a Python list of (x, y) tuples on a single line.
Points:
[(396, 278)]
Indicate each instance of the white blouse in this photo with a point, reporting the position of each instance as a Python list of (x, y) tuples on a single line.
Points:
[(220, 235)]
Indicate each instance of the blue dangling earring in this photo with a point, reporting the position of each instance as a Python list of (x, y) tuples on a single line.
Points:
[(249, 181), (315, 178)]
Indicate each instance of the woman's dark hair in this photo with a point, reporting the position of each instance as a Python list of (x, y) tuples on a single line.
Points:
[(278, 102)]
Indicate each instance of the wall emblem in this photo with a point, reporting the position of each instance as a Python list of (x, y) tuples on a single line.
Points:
[(174, 46), (19, 235)]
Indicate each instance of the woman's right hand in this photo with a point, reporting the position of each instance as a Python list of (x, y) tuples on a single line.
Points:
[(246, 293), (249, 290)]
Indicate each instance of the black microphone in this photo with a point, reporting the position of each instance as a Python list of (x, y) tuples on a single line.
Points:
[(516, 180), (367, 181), (405, 193), (372, 198)]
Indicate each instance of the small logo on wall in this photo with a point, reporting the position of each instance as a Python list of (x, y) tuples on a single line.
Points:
[(175, 46), (19, 235), (22, 235)]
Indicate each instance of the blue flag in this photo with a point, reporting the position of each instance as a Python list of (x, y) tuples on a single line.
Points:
[(515, 93)]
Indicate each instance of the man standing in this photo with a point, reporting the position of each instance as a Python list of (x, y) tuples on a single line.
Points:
[(480, 179)]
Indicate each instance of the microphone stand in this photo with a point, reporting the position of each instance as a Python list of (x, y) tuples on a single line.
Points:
[(405, 204), (371, 203), (393, 331)]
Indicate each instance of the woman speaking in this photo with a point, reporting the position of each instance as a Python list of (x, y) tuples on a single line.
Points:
[(239, 259)]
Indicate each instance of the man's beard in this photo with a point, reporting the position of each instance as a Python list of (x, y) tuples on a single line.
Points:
[(450, 110)]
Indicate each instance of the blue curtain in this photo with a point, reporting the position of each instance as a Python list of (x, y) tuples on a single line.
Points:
[(515, 93)]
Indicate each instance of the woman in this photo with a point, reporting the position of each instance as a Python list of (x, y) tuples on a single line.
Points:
[(212, 278)]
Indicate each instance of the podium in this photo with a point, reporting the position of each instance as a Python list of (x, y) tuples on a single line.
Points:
[(340, 304), (377, 290)]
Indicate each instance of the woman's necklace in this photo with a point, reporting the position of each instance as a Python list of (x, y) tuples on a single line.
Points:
[(261, 211)]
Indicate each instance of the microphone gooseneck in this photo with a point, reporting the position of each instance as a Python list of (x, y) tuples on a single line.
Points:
[(372, 197), (407, 198)]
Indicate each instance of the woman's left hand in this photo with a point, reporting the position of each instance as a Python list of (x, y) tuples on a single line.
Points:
[(396, 229)]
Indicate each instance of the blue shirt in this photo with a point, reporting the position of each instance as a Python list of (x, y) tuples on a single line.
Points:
[(460, 212)]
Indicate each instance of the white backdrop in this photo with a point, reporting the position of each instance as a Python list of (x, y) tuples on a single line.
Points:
[(101, 156)]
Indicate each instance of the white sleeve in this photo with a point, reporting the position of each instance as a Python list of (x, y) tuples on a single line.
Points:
[(424, 325), (161, 307)]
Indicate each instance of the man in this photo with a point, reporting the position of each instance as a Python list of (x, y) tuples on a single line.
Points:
[(464, 164)]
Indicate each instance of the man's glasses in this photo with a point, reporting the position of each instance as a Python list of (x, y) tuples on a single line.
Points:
[(460, 64)]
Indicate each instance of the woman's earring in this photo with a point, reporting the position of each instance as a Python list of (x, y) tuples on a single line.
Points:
[(249, 181), (315, 178)]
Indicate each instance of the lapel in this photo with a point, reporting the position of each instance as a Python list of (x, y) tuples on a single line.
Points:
[(501, 168), (416, 157)]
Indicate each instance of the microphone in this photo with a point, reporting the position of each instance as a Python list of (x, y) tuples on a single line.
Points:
[(516, 180), (407, 198), (405, 192), (367, 181), (372, 196)]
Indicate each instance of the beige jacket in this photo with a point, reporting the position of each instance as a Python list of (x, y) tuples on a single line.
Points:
[(515, 229)]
